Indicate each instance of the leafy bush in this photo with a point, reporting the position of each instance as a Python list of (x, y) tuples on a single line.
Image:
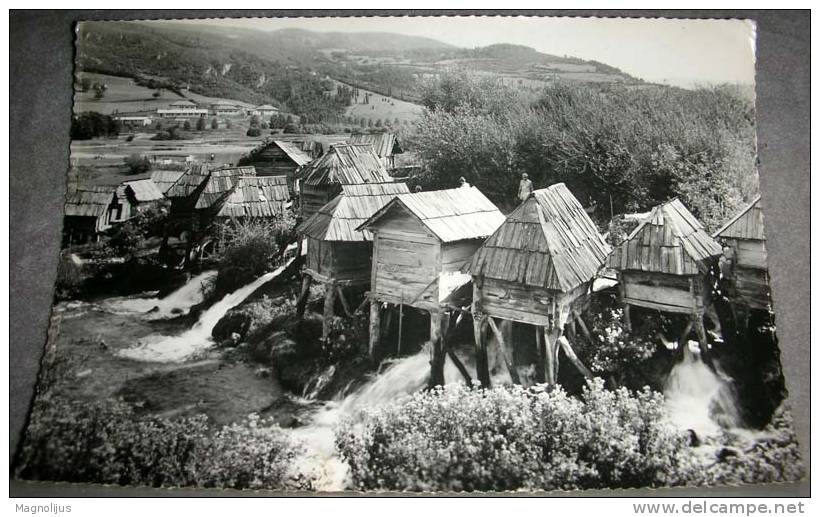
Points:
[(455, 438), (105, 442), (137, 164), (253, 131), (250, 249)]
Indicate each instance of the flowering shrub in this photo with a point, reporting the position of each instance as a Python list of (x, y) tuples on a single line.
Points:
[(455, 438), (105, 442)]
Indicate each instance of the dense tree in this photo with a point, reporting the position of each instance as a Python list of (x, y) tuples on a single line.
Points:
[(214, 123), (625, 148), (92, 124), (200, 124)]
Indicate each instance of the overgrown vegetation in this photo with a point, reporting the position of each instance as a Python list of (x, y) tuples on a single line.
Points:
[(92, 124), (620, 149), (507, 438), (106, 442)]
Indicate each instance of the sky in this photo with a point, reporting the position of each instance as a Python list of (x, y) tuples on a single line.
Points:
[(679, 52)]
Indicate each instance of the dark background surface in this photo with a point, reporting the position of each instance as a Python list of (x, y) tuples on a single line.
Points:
[(41, 65)]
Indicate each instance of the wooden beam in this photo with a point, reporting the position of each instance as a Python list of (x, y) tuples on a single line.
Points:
[(570, 353), (401, 324), (584, 329), (361, 305), (452, 324), (437, 360), (481, 362), (508, 360), (460, 366), (303, 296), (550, 368), (540, 372), (342, 299), (327, 319), (375, 329), (685, 334)]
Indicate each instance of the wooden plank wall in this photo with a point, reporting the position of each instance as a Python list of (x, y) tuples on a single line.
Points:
[(455, 254), (750, 254), (313, 198), (406, 262), (515, 302), (352, 261)]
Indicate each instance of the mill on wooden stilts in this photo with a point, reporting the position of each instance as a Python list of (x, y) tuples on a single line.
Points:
[(744, 267), (665, 264), (536, 269), (421, 241), (338, 255)]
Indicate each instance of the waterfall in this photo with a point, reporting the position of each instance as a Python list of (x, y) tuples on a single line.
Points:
[(177, 303), (157, 348), (700, 398)]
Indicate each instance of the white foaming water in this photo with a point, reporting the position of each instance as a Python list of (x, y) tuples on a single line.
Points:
[(403, 377), (175, 304), (174, 349), (698, 398)]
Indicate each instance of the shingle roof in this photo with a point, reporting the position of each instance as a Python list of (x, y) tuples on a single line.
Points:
[(257, 196), (670, 240), (294, 151), (165, 179), (213, 185), (345, 164), (384, 144), (451, 215), (548, 241), (88, 201), (338, 220), (144, 191), (748, 224)]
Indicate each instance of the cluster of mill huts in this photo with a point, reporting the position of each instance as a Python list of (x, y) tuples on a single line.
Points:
[(454, 256), (524, 280)]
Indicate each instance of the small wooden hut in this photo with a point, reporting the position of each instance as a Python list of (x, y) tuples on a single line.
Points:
[(746, 268), (278, 158), (665, 264), (537, 269), (87, 212), (338, 255), (202, 196), (421, 242), (342, 164), (133, 197), (385, 145)]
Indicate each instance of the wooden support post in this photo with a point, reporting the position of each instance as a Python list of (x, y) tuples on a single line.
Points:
[(697, 319), (571, 328), (375, 329), (682, 342), (460, 366), (437, 360), (549, 358), (570, 353), (540, 372), (330, 300), (342, 299), (627, 318), (481, 362), (365, 300), (303, 296), (508, 359), (401, 321), (584, 329)]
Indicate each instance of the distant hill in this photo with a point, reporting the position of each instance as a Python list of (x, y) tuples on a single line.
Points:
[(293, 68)]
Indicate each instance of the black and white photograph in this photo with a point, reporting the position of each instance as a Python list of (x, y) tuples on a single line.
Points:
[(413, 255)]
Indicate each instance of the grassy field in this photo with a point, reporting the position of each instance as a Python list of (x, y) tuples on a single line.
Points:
[(126, 96), (383, 107)]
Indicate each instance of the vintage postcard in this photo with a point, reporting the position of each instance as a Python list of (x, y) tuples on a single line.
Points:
[(413, 254)]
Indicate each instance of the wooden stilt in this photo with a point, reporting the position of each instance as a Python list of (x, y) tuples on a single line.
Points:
[(303, 296), (682, 342), (481, 363), (697, 319), (345, 306), (437, 360), (330, 300), (508, 359), (627, 318), (388, 320), (571, 328), (375, 329), (365, 300), (540, 372), (450, 328), (549, 358), (401, 326), (570, 353), (584, 329)]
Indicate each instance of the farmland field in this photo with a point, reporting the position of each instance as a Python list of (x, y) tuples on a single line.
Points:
[(382, 107)]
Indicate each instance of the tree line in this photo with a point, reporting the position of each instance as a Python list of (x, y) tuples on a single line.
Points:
[(618, 149)]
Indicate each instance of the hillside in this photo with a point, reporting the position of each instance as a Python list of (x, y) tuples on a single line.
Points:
[(293, 68)]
